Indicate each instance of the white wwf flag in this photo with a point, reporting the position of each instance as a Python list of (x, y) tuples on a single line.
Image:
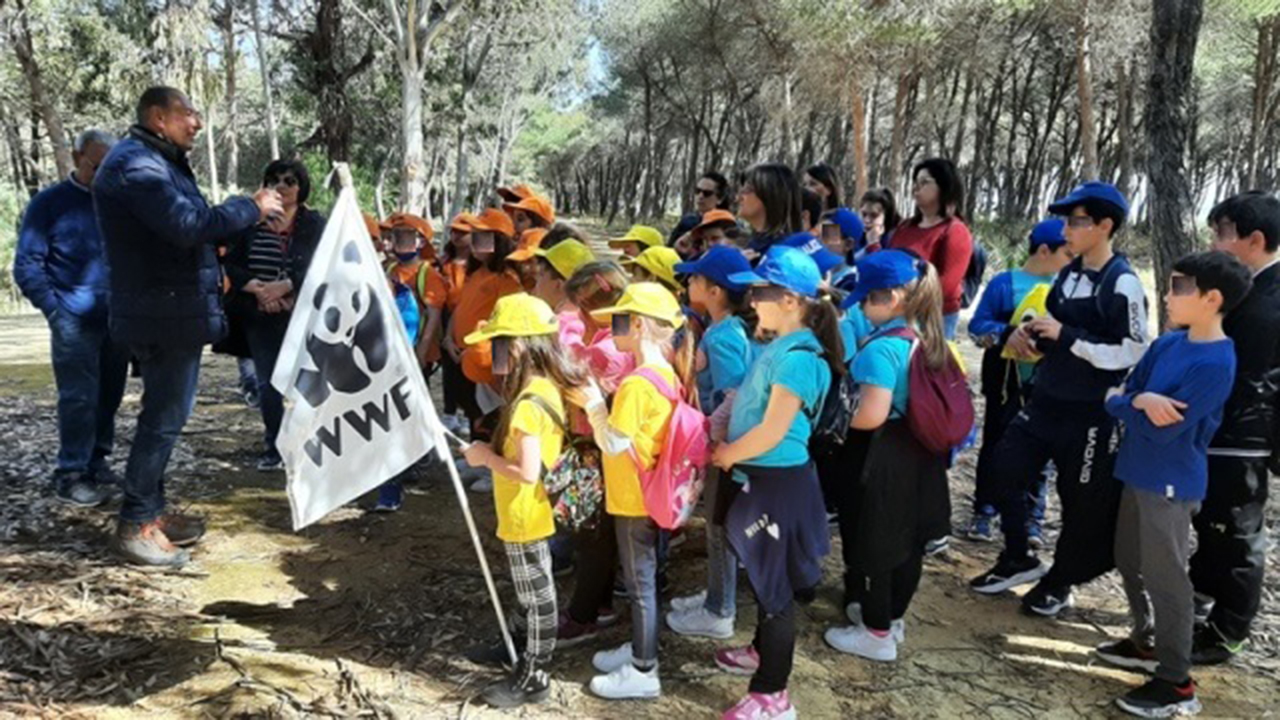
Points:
[(357, 410)]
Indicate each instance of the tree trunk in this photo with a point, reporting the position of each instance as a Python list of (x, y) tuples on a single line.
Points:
[(215, 193), (1124, 83), (859, 139), (898, 139), (1264, 66), (1084, 86), (20, 35), (230, 57), (1175, 27), (413, 185), (460, 171), (265, 69)]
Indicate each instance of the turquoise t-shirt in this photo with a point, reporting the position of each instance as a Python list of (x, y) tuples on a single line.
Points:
[(1023, 283), (854, 328), (793, 361), (884, 363), (729, 353)]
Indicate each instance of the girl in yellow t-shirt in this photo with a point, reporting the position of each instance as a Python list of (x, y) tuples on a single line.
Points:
[(631, 435), (533, 375)]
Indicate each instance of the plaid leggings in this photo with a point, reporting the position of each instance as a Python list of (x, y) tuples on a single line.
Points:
[(536, 592)]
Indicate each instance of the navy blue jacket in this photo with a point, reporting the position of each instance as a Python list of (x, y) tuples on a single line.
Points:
[(160, 235), (60, 262)]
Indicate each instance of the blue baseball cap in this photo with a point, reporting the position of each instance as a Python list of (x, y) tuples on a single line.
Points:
[(814, 248), (883, 270), (719, 265), (785, 267), (1051, 232), (850, 222), (1092, 190)]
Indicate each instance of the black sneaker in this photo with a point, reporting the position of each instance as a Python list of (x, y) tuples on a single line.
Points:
[(1203, 606), (1128, 654), (1161, 699), (495, 654), (1209, 647), (526, 684), (270, 461), (104, 476), (76, 489), (1009, 573), (1046, 602)]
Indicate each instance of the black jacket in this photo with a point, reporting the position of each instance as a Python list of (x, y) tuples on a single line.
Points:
[(307, 228), (1249, 418), (160, 233)]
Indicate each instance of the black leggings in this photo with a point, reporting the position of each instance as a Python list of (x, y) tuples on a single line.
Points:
[(775, 641), (597, 564), (886, 595)]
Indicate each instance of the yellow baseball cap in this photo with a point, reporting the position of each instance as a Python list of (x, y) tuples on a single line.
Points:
[(643, 234), (518, 315), (660, 262), (650, 299), (566, 256)]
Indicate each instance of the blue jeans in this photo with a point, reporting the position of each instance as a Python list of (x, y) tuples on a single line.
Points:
[(637, 548), (248, 376), (90, 370), (265, 334), (169, 380), (950, 324), (722, 564)]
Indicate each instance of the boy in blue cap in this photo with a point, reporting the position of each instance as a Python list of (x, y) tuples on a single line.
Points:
[(824, 258), (1094, 332), (1006, 383), (844, 234)]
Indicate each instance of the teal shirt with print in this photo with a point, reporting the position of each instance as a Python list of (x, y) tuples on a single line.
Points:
[(883, 362), (795, 362), (729, 352)]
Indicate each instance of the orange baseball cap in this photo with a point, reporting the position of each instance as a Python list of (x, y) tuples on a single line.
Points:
[(463, 222), (409, 220), (530, 240), (515, 193), (374, 227), (534, 204), (715, 217), (496, 221)]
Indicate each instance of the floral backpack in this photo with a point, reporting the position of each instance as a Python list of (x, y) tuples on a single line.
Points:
[(575, 481)]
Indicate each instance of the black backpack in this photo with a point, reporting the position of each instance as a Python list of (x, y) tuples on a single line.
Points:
[(973, 275), (830, 425)]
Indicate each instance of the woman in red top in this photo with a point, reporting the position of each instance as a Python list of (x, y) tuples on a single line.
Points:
[(937, 234)]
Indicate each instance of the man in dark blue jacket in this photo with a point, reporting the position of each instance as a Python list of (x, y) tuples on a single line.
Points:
[(165, 299), (61, 267)]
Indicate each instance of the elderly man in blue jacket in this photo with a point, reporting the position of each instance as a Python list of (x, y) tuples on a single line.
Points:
[(61, 267), (165, 300)]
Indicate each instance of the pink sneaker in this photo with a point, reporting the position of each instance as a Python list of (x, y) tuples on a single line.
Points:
[(762, 707), (738, 661)]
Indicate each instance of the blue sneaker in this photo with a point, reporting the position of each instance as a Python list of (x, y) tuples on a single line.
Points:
[(390, 497), (981, 528), (1035, 535)]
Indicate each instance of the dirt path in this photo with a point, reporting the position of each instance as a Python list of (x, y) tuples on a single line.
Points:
[(368, 615)]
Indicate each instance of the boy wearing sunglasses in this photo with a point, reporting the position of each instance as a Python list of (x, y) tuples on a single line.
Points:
[(1171, 405), (1094, 330)]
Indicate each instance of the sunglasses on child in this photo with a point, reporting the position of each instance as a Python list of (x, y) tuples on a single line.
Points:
[(1182, 285), (501, 347), (620, 325)]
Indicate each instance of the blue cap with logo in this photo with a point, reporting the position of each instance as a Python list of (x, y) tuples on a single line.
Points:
[(785, 267), (1051, 232), (719, 265), (882, 270), (850, 222), (1092, 190), (814, 248)]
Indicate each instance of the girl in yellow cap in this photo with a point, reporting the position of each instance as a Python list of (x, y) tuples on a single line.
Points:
[(533, 375), (630, 436)]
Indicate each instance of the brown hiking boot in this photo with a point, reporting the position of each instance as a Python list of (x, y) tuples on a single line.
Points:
[(182, 530), (146, 544)]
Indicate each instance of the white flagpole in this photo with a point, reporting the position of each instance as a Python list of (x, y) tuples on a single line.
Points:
[(442, 448)]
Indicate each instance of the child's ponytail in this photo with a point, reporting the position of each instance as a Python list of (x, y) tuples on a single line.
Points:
[(820, 317), (923, 310), (683, 361)]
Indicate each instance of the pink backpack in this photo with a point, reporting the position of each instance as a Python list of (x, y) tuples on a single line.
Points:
[(672, 486)]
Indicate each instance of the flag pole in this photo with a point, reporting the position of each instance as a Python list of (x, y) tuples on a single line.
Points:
[(442, 448)]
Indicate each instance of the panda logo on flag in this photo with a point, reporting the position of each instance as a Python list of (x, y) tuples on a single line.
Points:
[(349, 344)]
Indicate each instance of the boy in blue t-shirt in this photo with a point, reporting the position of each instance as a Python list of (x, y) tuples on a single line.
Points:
[(1006, 383), (1171, 405)]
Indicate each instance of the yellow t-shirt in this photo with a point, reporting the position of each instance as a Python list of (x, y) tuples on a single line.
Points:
[(641, 413), (524, 512)]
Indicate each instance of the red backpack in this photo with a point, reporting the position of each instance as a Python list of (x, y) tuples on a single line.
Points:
[(672, 486), (939, 404)]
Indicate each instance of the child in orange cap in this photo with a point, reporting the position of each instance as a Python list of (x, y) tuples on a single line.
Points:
[(413, 268)]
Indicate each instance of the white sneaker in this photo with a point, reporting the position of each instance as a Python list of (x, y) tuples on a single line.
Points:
[(450, 423), (627, 683), (897, 628), (606, 661), (700, 623), (689, 602), (857, 640), (482, 485)]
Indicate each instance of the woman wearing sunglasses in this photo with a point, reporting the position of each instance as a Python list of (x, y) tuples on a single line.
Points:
[(266, 265), (772, 511), (711, 192)]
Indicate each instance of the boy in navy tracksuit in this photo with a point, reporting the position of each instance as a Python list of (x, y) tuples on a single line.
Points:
[(1096, 329), (1006, 384), (1170, 406)]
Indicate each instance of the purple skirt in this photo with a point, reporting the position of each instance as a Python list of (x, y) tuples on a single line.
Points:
[(777, 526)]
